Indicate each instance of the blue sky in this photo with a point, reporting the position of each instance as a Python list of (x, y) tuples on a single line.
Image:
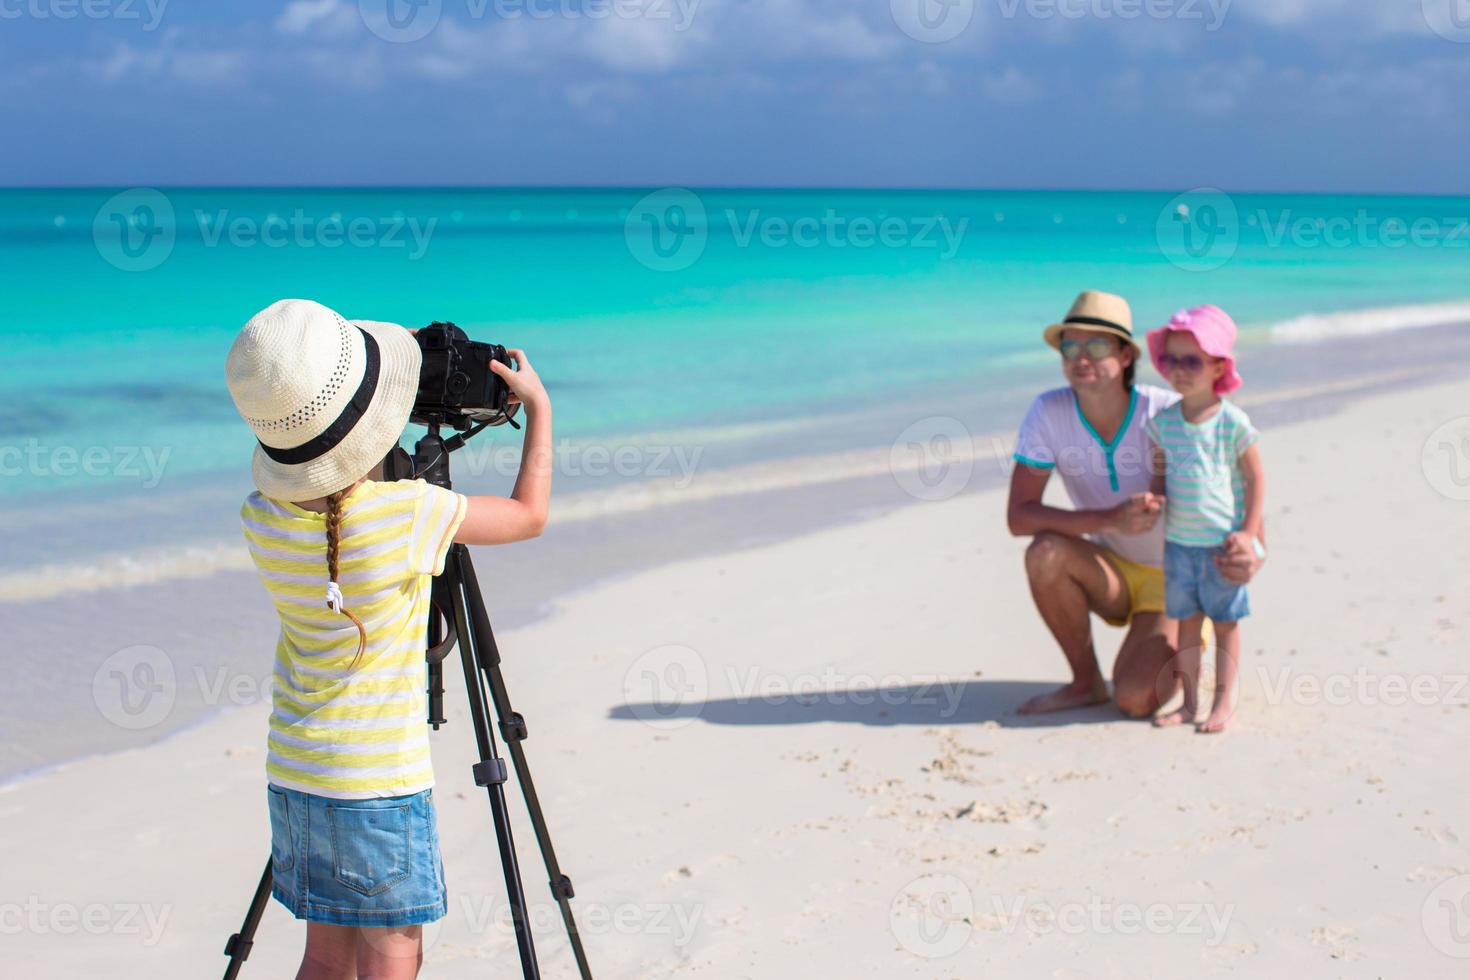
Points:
[(1311, 95)]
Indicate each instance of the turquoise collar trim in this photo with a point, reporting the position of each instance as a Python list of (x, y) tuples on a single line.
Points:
[(1109, 448)]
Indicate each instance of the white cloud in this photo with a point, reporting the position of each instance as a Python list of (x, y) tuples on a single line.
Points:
[(332, 18), (173, 59), (209, 67), (1341, 18), (1217, 89), (932, 79), (635, 44), (1126, 89), (599, 100), (1011, 87)]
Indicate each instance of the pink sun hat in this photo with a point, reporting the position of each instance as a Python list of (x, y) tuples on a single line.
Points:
[(1213, 330)]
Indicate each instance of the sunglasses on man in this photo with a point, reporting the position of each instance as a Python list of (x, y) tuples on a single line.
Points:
[(1097, 348)]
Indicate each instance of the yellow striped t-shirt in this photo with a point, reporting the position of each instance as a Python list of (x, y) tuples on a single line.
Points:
[(361, 734)]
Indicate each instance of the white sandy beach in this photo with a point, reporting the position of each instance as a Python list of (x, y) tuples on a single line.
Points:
[(923, 830)]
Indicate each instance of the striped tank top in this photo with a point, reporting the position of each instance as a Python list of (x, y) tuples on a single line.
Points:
[(1204, 491), (361, 734)]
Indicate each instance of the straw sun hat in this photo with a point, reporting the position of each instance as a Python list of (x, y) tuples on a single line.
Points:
[(1096, 312), (326, 397)]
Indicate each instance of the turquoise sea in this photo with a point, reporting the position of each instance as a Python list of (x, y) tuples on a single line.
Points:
[(770, 336), (648, 311)]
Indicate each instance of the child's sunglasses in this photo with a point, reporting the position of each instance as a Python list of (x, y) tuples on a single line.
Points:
[(1097, 348), (1189, 363)]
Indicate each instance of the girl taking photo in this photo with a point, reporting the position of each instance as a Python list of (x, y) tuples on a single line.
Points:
[(347, 561)]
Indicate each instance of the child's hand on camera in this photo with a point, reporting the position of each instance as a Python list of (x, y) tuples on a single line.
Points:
[(524, 383)]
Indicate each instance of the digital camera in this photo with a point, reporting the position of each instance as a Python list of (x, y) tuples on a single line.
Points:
[(456, 385)]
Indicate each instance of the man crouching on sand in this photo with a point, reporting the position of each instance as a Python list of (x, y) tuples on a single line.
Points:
[(1107, 556)]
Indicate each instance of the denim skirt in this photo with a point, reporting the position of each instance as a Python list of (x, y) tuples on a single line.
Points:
[(356, 862)]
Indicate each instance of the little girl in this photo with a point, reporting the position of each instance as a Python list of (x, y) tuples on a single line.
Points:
[(348, 561), (1208, 467)]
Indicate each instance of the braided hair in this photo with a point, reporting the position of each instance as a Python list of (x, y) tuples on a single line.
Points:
[(334, 540)]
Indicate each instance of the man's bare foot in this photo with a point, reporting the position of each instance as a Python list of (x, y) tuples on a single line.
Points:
[(1078, 694), (1184, 713)]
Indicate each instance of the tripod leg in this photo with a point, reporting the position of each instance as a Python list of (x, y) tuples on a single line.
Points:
[(490, 772), (238, 948), (513, 729)]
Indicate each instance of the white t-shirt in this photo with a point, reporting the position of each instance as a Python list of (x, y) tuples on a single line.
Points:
[(1096, 474)]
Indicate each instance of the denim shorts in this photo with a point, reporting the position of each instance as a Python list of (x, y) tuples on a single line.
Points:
[(357, 862), (1194, 585)]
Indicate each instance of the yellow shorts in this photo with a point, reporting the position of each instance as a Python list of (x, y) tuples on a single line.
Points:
[(1145, 587), (1146, 593)]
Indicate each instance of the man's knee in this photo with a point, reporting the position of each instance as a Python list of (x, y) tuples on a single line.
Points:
[(1146, 674), (1134, 699), (1047, 554)]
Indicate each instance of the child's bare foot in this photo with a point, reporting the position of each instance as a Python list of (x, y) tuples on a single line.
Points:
[(1078, 694), (1220, 717), (1180, 715)]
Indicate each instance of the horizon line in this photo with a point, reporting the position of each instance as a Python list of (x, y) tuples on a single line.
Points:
[(719, 188)]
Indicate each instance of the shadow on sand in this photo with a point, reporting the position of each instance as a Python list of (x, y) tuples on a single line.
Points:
[(937, 703)]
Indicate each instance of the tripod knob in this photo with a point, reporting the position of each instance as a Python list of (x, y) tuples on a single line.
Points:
[(515, 729), (488, 772)]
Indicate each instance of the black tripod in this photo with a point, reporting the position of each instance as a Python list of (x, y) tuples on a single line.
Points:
[(459, 618)]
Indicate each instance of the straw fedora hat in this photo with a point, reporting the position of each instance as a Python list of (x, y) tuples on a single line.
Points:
[(326, 397), (1096, 312)]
